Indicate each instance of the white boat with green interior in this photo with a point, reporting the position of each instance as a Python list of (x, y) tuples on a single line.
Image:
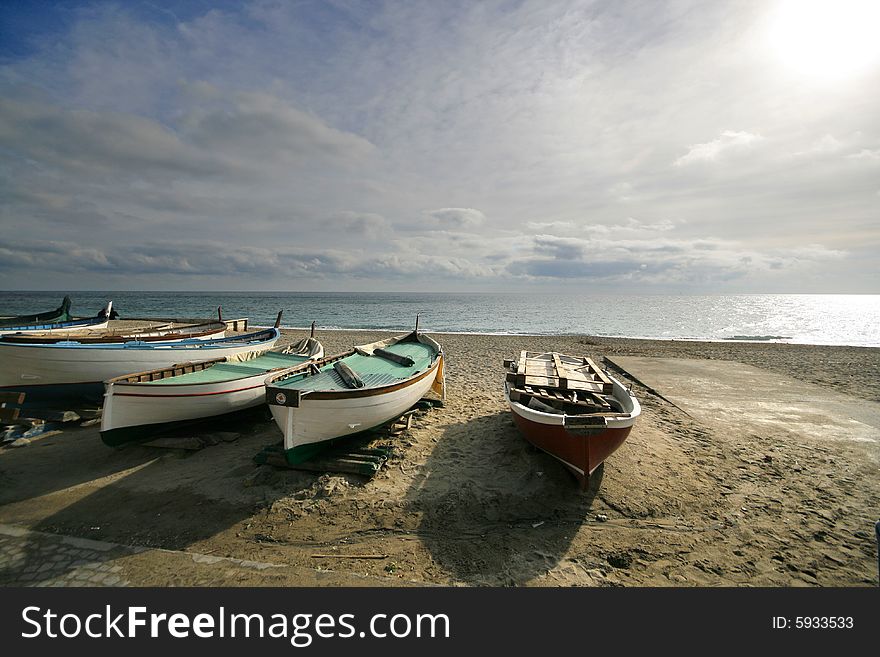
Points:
[(351, 392)]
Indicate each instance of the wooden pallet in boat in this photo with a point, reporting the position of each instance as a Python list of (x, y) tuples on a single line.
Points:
[(532, 371), (575, 401)]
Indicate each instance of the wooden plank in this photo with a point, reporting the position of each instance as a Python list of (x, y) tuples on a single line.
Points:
[(349, 556), (151, 375), (522, 396), (561, 370), (550, 382), (539, 367), (11, 397), (598, 372), (598, 401), (51, 415)]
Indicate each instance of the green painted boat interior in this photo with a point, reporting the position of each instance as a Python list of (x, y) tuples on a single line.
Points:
[(235, 370), (375, 371)]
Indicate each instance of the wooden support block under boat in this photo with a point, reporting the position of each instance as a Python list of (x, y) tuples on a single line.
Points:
[(363, 461), (9, 401), (12, 397)]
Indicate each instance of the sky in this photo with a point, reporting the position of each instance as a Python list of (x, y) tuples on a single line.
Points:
[(626, 146)]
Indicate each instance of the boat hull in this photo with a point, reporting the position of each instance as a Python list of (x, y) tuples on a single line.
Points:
[(325, 416), (146, 403), (579, 450), (60, 314), (205, 332), (92, 324), (133, 412), (24, 367)]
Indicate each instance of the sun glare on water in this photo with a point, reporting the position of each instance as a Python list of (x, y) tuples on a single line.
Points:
[(827, 39)]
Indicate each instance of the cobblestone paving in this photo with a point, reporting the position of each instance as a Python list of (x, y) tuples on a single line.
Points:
[(35, 559), (30, 558)]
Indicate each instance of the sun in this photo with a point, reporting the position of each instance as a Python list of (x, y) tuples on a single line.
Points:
[(827, 39)]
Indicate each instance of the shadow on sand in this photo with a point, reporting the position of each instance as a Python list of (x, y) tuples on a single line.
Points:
[(173, 500), (495, 510)]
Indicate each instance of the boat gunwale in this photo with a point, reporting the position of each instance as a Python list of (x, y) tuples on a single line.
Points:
[(356, 393), (45, 317), (164, 333), (47, 327), (271, 334), (126, 379), (353, 393), (619, 422)]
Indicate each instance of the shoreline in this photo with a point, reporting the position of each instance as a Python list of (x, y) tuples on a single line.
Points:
[(733, 340), (854, 370)]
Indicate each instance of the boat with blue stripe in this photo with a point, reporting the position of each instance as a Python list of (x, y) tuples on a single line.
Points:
[(70, 368)]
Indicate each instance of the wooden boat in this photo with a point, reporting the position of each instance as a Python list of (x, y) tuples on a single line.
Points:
[(164, 333), (353, 391), (54, 328), (60, 314), (140, 405), (79, 370), (570, 408), (64, 324)]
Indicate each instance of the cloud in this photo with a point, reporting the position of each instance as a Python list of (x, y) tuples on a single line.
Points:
[(454, 218), (519, 143), (264, 129), (866, 155), (826, 144), (555, 227), (193, 260), (623, 192), (87, 142), (693, 262), (560, 248), (366, 224), (244, 132), (728, 142)]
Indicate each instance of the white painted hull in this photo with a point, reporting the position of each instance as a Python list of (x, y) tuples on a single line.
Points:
[(35, 365), (139, 405), (42, 328), (319, 420), (166, 334)]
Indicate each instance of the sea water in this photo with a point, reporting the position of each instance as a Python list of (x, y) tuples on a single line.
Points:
[(796, 318)]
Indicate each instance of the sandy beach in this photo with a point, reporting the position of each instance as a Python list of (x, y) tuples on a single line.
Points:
[(464, 500)]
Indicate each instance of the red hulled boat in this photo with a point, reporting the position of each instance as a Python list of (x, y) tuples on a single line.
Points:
[(570, 408)]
